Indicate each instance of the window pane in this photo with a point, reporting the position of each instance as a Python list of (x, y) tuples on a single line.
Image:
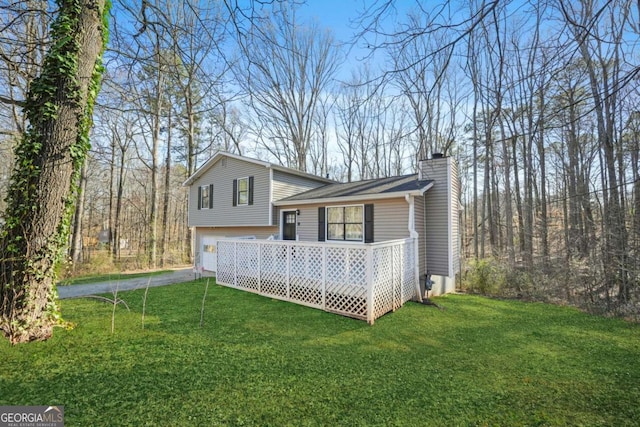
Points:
[(204, 196), (335, 232), (354, 232), (353, 214), (242, 197), (243, 184), (335, 215)]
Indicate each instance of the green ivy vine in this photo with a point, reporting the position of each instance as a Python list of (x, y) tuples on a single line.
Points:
[(58, 74)]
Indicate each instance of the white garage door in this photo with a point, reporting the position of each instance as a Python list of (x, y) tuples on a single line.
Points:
[(209, 253)]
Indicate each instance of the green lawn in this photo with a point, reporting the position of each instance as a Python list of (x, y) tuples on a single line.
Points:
[(263, 362), (95, 278)]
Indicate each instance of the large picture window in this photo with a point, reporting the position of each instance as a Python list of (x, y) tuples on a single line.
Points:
[(345, 223)]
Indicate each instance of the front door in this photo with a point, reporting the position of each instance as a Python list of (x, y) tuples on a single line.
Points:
[(289, 225)]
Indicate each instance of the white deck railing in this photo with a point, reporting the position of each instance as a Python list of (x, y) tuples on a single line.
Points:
[(363, 281)]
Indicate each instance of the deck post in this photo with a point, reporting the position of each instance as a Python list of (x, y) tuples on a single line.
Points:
[(416, 267), (260, 267), (393, 277), (324, 277), (235, 264), (370, 293), (289, 248)]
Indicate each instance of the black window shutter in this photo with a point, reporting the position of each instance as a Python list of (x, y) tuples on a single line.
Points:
[(250, 190), (368, 223), (199, 197), (210, 196), (321, 226), (235, 192)]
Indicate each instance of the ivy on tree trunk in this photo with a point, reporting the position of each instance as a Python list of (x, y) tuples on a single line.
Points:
[(49, 159)]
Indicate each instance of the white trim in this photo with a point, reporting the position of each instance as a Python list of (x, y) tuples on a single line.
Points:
[(326, 224), (220, 153), (449, 220), (271, 207), (200, 204), (411, 225), (425, 188), (348, 199)]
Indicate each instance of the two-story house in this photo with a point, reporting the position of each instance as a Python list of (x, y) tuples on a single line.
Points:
[(234, 197)]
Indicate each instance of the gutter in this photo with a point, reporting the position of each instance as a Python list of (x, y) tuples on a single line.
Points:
[(411, 225)]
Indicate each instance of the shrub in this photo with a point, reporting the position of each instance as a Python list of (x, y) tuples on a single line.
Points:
[(484, 276)]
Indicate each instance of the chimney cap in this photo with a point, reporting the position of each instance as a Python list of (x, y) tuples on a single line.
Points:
[(437, 156)]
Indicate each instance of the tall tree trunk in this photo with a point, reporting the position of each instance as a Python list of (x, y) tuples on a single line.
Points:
[(544, 227), (50, 156), (516, 182), (76, 240), (167, 192), (118, 210), (155, 141), (112, 168), (476, 252), (508, 208)]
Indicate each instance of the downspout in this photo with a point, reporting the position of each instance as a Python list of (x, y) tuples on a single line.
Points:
[(270, 196), (415, 236)]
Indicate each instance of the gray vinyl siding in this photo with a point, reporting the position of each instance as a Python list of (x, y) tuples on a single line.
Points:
[(441, 217), (455, 218), (286, 185), (390, 219), (221, 174), (257, 232)]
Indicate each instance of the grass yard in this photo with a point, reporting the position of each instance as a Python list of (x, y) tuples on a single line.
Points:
[(263, 362)]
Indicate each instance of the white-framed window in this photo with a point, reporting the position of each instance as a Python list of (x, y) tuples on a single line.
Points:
[(345, 223), (243, 191), (205, 197)]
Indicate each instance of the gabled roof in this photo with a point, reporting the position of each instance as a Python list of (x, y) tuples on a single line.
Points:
[(220, 154), (382, 188)]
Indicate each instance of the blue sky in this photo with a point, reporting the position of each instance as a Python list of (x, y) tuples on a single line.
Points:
[(335, 14)]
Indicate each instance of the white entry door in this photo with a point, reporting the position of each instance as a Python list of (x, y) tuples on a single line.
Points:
[(209, 253)]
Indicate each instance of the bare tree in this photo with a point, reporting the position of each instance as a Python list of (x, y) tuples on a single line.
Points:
[(591, 25), (285, 73)]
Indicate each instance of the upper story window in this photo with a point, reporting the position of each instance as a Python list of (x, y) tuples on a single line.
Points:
[(243, 191), (345, 223), (205, 196)]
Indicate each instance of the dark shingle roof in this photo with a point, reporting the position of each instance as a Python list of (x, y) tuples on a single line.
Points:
[(394, 184)]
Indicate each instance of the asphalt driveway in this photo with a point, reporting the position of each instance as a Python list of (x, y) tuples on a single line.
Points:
[(76, 291)]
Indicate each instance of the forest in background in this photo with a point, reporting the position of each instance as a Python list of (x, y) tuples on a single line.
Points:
[(537, 101)]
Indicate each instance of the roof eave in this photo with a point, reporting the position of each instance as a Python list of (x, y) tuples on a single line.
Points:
[(290, 171), (220, 153), (425, 188), (358, 198)]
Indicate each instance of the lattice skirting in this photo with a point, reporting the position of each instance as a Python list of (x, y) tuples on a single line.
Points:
[(360, 281)]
